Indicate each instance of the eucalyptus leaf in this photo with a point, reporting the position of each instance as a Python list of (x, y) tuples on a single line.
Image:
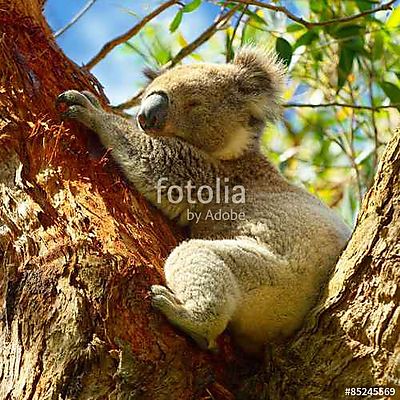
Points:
[(294, 27), (345, 66), (346, 31), (284, 50), (193, 5), (364, 5), (394, 19), (306, 39), (317, 6), (377, 49), (392, 91), (176, 21)]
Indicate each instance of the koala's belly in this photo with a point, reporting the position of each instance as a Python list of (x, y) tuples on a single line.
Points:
[(270, 314)]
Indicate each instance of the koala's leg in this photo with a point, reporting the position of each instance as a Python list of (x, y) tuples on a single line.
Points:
[(202, 293), (206, 280)]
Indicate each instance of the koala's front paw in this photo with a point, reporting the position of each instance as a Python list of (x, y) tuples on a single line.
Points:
[(80, 106)]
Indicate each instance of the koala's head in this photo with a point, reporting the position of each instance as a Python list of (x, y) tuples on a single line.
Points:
[(221, 109)]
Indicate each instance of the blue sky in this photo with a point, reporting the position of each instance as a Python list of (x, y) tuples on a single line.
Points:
[(119, 72)]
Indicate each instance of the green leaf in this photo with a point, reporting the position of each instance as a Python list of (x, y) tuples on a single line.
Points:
[(176, 21), (294, 27), (364, 5), (377, 49), (193, 5), (346, 31), (255, 17), (306, 39), (317, 6), (284, 50), (392, 91), (394, 19), (357, 46), (345, 65), (317, 55)]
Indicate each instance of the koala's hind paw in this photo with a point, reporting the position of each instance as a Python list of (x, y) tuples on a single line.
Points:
[(164, 300), (158, 290)]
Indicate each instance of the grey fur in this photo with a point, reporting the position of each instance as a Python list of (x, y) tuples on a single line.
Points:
[(260, 275)]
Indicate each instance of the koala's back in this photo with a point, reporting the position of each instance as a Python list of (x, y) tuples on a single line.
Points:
[(305, 235), (285, 217)]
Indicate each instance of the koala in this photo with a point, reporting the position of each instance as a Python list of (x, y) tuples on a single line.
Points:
[(199, 125)]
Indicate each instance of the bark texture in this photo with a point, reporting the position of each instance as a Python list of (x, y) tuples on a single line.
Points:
[(79, 250)]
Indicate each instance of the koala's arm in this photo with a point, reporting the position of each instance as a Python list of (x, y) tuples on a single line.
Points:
[(144, 160)]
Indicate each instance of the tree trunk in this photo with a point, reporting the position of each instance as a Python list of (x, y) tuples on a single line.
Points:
[(79, 249)]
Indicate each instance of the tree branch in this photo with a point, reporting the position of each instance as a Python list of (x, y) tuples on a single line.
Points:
[(337, 104), (75, 18), (128, 34), (184, 52), (210, 31), (309, 24)]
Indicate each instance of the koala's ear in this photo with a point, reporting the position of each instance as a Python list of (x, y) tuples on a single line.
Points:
[(261, 74), (260, 69), (151, 73)]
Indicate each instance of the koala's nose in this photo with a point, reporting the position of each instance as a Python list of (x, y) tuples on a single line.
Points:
[(153, 111)]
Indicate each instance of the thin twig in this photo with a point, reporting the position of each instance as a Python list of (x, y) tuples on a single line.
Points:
[(336, 104), (309, 24), (210, 31), (75, 18), (184, 52), (231, 39), (128, 34)]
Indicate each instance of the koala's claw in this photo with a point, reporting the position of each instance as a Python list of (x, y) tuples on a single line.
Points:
[(92, 98), (80, 106), (159, 302), (73, 112), (164, 300), (162, 303), (158, 290), (73, 97)]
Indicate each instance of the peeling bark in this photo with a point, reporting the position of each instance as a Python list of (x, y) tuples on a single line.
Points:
[(79, 249)]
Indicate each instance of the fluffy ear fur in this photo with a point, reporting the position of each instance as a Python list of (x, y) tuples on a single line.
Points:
[(261, 74), (151, 73)]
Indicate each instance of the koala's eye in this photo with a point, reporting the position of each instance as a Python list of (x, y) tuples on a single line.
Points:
[(161, 93), (192, 104)]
